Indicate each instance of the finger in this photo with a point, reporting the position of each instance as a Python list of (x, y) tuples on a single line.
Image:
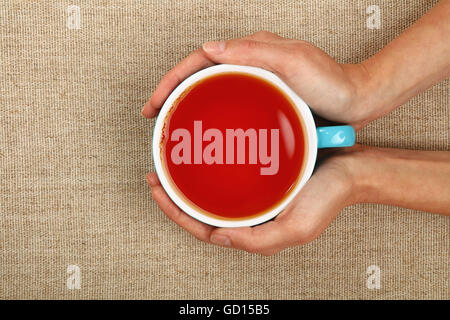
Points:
[(248, 52), (198, 229), (268, 238), (196, 61), (152, 179)]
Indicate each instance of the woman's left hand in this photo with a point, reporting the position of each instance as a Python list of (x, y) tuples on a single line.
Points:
[(329, 189)]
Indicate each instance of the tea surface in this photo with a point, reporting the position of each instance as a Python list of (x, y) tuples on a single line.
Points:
[(225, 171)]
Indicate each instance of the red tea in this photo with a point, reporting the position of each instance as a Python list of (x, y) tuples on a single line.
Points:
[(233, 145)]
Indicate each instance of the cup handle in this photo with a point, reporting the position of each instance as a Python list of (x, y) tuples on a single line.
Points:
[(335, 136)]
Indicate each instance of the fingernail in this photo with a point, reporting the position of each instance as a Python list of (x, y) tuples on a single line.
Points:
[(220, 240), (214, 47), (151, 180)]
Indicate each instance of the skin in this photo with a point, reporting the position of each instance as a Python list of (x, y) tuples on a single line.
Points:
[(348, 93)]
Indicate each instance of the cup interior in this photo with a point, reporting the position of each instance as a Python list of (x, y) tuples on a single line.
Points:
[(305, 118)]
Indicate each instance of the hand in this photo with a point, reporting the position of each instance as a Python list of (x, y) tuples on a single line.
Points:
[(329, 88), (330, 189)]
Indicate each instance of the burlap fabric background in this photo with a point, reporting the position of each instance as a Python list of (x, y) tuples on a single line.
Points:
[(74, 151)]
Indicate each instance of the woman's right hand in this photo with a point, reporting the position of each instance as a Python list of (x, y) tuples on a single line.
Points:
[(331, 89)]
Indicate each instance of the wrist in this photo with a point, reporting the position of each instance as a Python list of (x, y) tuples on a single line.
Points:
[(363, 107), (404, 178), (360, 163)]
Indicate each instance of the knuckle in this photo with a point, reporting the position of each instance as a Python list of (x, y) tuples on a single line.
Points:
[(252, 248), (263, 34), (248, 44), (305, 234), (299, 49), (200, 238), (300, 233), (303, 46), (345, 95)]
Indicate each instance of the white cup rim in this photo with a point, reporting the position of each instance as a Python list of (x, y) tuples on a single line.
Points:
[(310, 137)]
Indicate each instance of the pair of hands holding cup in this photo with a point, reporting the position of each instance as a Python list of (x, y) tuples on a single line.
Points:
[(343, 178)]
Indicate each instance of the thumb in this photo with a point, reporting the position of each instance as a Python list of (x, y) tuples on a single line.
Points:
[(247, 52)]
